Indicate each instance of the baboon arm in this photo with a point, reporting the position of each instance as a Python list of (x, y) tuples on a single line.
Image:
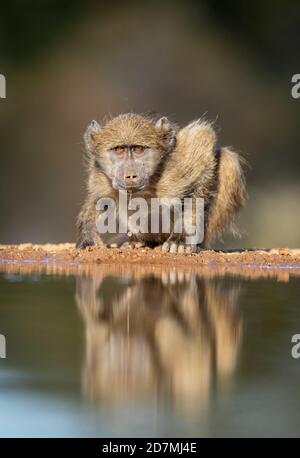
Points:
[(86, 222), (230, 196), (86, 225)]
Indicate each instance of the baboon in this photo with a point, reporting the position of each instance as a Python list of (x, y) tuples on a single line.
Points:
[(174, 348), (155, 158)]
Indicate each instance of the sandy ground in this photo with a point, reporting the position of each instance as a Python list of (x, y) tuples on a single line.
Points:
[(64, 259), (67, 253)]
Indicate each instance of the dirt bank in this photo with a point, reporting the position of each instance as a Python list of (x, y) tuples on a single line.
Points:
[(67, 253)]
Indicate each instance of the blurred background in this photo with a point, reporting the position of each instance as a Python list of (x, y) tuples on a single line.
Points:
[(68, 62)]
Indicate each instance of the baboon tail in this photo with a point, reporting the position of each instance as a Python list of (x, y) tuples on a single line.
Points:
[(230, 196)]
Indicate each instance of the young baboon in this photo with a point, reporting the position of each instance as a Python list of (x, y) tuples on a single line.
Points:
[(175, 349), (151, 158)]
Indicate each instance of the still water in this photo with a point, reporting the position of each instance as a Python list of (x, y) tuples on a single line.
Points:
[(143, 351)]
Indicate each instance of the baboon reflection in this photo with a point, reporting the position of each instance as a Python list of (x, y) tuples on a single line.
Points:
[(173, 336)]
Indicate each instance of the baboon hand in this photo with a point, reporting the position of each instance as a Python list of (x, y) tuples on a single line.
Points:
[(84, 243), (127, 245), (179, 247)]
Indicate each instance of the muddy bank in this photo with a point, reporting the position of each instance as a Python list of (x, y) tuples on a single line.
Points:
[(66, 253)]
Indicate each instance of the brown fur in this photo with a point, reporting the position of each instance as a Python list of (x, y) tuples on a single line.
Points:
[(219, 180), (183, 164), (130, 129), (185, 342), (230, 195)]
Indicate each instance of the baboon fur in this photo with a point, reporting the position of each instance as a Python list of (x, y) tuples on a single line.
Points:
[(184, 162)]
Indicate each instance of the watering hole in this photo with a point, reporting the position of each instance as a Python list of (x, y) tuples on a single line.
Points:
[(148, 351)]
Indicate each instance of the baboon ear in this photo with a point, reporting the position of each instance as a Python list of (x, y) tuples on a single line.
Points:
[(89, 136), (170, 131), (163, 123)]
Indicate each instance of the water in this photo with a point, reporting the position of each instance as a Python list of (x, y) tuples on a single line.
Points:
[(143, 351)]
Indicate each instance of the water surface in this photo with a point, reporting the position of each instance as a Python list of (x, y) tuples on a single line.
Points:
[(143, 351)]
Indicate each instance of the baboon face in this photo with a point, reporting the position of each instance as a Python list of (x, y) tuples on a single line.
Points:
[(130, 166), (129, 149)]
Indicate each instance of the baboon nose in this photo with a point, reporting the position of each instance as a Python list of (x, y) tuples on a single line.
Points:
[(131, 179)]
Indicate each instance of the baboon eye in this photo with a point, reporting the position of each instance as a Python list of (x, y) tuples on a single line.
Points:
[(119, 150), (138, 149)]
